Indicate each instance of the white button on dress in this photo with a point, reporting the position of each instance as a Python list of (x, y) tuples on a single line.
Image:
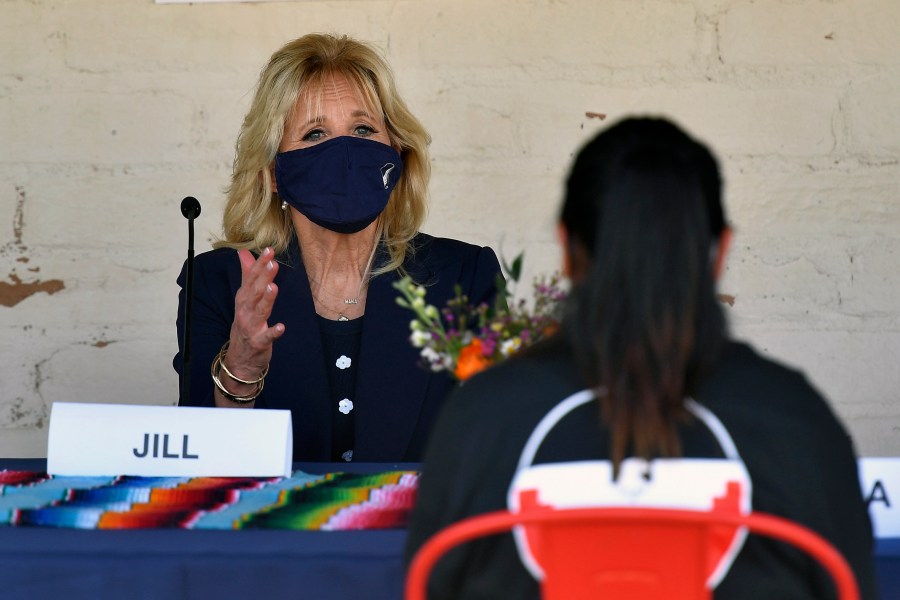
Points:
[(345, 406), (343, 362)]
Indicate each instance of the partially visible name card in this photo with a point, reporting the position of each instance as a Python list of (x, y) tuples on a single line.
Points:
[(880, 478), (163, 441)]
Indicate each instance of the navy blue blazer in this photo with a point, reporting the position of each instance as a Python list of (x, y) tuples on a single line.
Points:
[(396, 400)]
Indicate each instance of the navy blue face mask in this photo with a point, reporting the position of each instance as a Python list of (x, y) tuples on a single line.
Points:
[(342, 184)]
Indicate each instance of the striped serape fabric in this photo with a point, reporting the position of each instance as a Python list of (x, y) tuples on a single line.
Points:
[(328, 502)]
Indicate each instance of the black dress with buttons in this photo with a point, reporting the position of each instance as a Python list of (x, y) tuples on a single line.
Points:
[(341, 340)]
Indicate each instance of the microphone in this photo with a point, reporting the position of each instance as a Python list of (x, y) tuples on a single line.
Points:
[(190, 208)]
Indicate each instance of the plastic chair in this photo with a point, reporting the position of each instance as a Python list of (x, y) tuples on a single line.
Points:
[(626, 553)]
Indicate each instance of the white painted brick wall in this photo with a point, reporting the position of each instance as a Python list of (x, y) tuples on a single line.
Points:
[(810, 33), (111, 111)]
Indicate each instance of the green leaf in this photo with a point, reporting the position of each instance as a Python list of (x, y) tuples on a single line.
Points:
[(514, 270), (500, 304)]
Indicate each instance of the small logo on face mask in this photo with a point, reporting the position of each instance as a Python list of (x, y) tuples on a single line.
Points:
[(386, 173)]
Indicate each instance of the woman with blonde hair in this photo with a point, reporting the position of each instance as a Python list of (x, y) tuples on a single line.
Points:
[(323, 213)]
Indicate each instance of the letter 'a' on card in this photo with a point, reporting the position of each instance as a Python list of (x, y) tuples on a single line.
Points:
[(880, 478), (168, 441)]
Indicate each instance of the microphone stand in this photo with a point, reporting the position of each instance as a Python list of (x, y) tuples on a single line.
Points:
[(190, 208)]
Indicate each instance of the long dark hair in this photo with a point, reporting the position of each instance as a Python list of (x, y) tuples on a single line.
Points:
[(643, 211)]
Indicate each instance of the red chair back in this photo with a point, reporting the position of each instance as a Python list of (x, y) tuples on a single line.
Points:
[(626, 553)]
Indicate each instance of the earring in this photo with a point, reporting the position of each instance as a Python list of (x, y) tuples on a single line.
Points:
[(284, 205)]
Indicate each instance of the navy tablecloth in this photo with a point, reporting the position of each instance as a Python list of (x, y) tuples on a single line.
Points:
[(144, 564), (887, 566), (39, 563), (43, 563)]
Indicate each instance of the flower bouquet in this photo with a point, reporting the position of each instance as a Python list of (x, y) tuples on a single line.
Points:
[(464, 339)]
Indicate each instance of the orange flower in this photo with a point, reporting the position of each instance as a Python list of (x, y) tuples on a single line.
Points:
[(471, 360), (551, 329)]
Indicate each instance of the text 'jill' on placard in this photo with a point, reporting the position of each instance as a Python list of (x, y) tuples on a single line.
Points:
[(160, 441)]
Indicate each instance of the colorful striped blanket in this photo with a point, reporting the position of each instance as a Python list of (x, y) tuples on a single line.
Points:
[(329, 502)]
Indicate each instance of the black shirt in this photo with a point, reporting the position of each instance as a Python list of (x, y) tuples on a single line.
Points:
[(799, 457), (340, 341)]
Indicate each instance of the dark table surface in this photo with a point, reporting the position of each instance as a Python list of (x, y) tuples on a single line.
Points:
[(38, 563)]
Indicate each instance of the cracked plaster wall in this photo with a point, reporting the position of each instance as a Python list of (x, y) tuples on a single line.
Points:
[(111, 111)]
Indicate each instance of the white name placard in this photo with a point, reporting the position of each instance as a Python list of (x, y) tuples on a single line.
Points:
[(880, 479), (163, 441)]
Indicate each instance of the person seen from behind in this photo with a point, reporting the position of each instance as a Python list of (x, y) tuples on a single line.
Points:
[(646, 373)]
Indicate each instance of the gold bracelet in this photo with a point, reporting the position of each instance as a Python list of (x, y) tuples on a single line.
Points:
[(214, 371), (237, 399), (221, 358)]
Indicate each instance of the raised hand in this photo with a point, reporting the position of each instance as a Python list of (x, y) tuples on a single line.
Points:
[(251, 339)]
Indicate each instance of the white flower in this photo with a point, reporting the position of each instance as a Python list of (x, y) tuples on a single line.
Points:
[(418, 302), (343, 362), (436, 361), (419, 338), (345, 406), (511, 346), (431, 312), (415, 325)]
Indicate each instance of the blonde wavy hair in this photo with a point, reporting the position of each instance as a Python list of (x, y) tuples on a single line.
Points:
[(253, 217)]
